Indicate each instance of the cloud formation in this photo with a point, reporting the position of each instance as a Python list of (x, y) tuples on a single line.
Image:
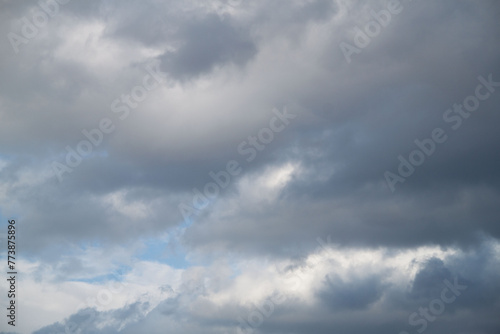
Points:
[(248, 259)]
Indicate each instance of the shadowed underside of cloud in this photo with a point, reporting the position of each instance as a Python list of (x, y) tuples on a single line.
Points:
[(206, 44)]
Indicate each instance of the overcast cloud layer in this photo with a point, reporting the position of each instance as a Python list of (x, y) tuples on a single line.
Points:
[(352, 147)]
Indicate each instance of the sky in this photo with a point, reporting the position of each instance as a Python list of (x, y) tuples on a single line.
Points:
[(237, 166)]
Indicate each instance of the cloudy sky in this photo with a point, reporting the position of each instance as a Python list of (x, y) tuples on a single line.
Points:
[(236, 166)]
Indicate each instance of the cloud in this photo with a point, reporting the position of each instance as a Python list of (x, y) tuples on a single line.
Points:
[(354, 294), (206, 44), (225, 68), (336, 287)]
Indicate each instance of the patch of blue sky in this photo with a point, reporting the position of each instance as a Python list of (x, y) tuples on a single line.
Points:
[(164, 250), (4, 220), (116, 275)]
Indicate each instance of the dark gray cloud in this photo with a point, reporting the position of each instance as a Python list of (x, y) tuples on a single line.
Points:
[(355, 121), (353, 294), (364, 118), (206, 44)]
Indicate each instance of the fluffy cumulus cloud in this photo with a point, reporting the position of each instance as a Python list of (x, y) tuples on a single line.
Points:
[(233, 166)]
